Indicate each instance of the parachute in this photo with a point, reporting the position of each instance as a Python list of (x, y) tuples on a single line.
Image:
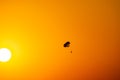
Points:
[(67, 44)]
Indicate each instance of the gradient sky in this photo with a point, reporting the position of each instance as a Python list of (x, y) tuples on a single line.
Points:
[(35, 31)]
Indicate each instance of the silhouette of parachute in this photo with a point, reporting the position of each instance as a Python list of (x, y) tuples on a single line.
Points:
[(67, 44)]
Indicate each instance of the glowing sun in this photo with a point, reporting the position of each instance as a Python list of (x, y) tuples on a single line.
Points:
[(5, 55)]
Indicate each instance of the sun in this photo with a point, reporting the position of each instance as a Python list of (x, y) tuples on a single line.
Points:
[(5, 55)]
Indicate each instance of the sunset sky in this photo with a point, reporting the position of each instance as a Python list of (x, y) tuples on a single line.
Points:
[(36, 30)]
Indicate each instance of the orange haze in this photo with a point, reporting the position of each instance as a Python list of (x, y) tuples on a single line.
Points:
[(35, 31)]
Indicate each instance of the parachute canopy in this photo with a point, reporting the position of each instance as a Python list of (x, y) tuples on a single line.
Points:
[(67, 44)]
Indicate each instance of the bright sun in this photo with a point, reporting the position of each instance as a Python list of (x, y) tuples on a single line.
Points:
[(5, 55)]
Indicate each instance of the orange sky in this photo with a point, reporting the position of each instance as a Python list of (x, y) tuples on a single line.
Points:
[(35, 31)]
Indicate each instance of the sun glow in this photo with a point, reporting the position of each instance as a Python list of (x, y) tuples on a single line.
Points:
[(5, 55)]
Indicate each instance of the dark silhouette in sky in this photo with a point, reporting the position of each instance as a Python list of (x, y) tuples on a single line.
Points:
[(67, 44)]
